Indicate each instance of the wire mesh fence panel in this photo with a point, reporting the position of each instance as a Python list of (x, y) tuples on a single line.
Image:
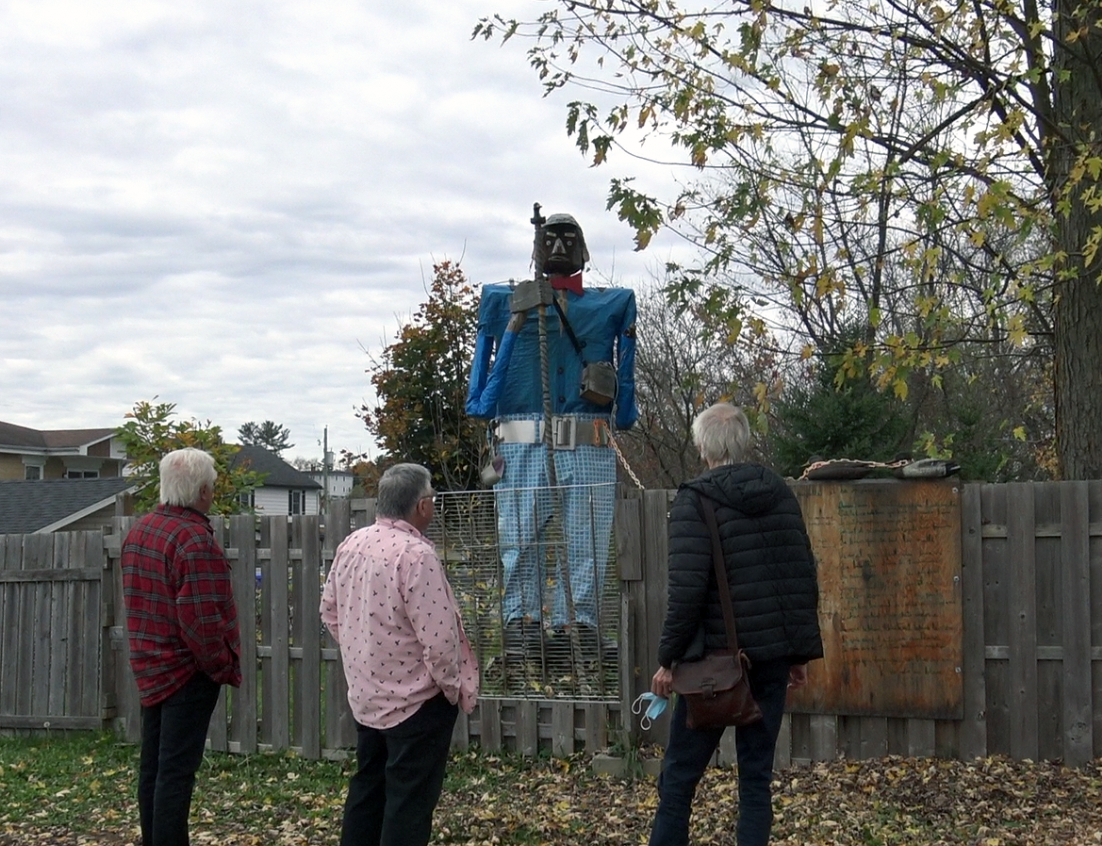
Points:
[(535, 575)]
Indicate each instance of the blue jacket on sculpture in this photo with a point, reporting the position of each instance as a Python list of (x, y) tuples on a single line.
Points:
[(507, 387)]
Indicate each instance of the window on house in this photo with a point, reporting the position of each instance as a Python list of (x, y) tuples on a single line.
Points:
[(82, 474), (247, 500), (32, 472), (295, 502)]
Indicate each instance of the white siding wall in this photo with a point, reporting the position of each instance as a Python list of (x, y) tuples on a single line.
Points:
[(273, 501), (340, 484)]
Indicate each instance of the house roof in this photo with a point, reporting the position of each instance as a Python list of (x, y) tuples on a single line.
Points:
[(21, 437), (46, 505), (279, 474)]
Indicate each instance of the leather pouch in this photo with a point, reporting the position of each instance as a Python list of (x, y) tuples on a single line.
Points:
[(599, 383), (716, 691)]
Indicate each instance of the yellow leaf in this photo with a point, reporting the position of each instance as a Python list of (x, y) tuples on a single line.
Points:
[(899, 388), (1017, 331), (986, 203), (734, 329)]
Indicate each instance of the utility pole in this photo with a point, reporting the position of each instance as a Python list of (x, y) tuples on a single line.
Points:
[(326, 458)]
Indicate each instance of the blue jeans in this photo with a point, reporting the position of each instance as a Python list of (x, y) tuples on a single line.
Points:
[(586, 494), (174, 734), (399, 776), (689, 751)]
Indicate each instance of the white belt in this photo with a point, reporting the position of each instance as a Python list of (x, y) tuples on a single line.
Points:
[(567, 432)]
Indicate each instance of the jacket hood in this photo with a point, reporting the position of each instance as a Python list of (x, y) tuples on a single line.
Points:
[(749, 488)]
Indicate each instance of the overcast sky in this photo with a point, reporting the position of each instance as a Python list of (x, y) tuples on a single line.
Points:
[(221, 205)]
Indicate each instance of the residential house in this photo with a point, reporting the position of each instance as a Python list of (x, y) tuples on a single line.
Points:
[(32, 454), (59, 479), (340, 482), (284, 490), (53, 505)]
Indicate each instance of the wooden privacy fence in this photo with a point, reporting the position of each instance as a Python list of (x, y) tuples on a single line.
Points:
[(53, 632), (1025, 592), (297, 697)]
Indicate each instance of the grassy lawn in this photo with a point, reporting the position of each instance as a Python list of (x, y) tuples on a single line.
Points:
[(79, 789)]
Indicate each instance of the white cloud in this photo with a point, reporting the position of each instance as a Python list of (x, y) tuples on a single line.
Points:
[(220, 204)]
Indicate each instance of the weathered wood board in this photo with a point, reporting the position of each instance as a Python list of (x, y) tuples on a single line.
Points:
[(890, 609)]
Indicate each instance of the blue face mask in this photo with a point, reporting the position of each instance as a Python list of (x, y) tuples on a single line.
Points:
[(651, 706)]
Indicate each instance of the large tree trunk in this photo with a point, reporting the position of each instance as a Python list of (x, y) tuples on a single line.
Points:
[(1078, 374), (1077, 98)]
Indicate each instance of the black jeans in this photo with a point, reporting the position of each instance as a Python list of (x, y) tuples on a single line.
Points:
[(174, 733), (689, 751), (399, 776)]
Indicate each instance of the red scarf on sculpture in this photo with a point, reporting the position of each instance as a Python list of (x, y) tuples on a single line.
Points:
[(568, 283)]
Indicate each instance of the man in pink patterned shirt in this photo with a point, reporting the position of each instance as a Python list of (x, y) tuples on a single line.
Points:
[(407, 660)]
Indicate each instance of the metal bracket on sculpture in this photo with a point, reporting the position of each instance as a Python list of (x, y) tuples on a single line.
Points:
[(564, 432), (530, 294)]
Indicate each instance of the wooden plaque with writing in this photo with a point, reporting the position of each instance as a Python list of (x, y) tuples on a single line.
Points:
[(889, 598)]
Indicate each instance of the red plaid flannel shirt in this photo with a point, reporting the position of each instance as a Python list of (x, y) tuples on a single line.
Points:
[(180, 613)]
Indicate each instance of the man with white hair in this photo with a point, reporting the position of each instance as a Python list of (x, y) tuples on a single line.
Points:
[(184, 641)]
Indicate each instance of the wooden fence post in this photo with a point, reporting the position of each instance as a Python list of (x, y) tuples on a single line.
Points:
[(1075, 562), (309, 675), (243, 729), (972, 737), (1022, 618)]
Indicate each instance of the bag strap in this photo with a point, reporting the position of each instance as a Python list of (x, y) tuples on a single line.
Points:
[(569, 329), (721, 575)]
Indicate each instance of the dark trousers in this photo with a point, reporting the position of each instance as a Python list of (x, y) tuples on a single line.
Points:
[(690, 750), (399, 776), (174, 733)]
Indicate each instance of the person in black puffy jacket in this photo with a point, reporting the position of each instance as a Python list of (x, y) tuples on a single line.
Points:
[(775, 594)]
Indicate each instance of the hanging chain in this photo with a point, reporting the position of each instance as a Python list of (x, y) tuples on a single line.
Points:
[(603, 424)]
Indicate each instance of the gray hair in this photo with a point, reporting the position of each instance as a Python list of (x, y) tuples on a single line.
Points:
[(184, 472), (401, 487), (721, 433)]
